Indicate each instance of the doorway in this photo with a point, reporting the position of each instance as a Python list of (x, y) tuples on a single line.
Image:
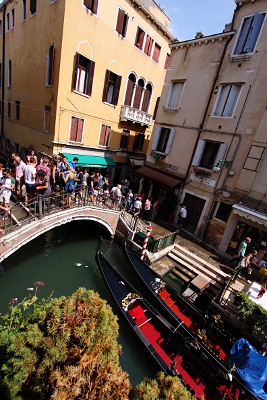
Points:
[(194, 207)]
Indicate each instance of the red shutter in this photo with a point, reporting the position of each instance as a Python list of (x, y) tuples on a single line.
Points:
[(140, 34), (105, 89), (116, 90), (120, 21), (167, 61), (156, 52), (104, 135), (89, 77), (88, 4), (75, 68), (156, 107), (137, 97), (129, 93), (73, 128), (79, 130), (146, 99), (148, 45), (95, 4)]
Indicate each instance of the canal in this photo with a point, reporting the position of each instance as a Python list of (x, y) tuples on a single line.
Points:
[(64, 259)]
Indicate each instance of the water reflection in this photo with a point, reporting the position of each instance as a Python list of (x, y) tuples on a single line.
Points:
[(64, 259)]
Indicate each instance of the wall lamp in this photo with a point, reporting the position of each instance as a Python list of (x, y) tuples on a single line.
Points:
[(222, 163)]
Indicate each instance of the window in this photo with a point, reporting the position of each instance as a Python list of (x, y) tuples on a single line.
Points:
[(124, 139), (146, 97), (23, 10), (138, 93), (122, 22), (130, 90), (91, 5), (83, 75), (226, 100), (156, 52), (76, 129), (33, 7), (249, 34), (17, 110), (138, 141), (156, 107), (148, 45), (175, 95), (139, 39), (209, 153), (111, 88), (50, 59), (167, 61), (254, 158), (223, 211), (162, 140), (9, 73), (12, 18), (47, 119), (8, 109), (104, 135), (7, 22)]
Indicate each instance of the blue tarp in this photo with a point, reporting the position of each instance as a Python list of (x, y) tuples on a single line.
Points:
[(251, 367)]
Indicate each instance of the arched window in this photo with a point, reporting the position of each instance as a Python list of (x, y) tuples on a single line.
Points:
[(130, 90), (138, 93), (50, 59), (147, 97)]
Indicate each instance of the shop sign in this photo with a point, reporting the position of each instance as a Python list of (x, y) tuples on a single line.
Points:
[(205, 181), (165, 165)]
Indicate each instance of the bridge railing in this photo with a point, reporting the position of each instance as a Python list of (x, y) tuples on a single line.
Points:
[(22, 213)]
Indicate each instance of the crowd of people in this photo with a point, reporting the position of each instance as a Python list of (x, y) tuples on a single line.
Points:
[(31, 177)]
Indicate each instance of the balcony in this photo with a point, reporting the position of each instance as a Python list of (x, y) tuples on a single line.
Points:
[(137, 116)]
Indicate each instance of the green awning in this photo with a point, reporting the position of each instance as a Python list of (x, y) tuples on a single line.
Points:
[(92, 161)]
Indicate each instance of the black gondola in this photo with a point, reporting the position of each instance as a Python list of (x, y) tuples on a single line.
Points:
[(175, 350), (175, 307)]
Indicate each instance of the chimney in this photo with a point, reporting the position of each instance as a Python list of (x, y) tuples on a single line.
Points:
[(199, 35)]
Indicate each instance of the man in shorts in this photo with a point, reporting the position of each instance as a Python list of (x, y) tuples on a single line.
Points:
[(7, 185), (29, 176)]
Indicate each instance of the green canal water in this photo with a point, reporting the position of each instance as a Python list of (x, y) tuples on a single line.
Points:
[(64, 259)]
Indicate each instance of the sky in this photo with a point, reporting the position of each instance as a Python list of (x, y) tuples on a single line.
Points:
[(191, 16)]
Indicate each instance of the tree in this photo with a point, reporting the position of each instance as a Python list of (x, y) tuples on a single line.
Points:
[(162, 388), (63, 348)]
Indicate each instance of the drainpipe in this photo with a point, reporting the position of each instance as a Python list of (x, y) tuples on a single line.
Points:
[(3, 68)]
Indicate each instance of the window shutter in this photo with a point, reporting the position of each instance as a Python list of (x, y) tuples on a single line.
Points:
[(167, 60), (156, 52), (88, 4), (148, 45), (124, 139), (198, 152), (117, 90), (254, 32), (155, 138), (95, 4), (129, 93), (33, 6), (137, 97), (120, 20), (104, 135), (220, 154), (156, 107), (140, 35), (75, 68), (51, 64), (89, 77), (170, 141), (243, 35), (73, 128), (79, 130), (231, 100), (105, 89), (135, 144), (175, 95), (146, 99)]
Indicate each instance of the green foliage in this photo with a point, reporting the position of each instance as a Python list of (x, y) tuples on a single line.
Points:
[(251, 313), (162, 388), (63, 348)]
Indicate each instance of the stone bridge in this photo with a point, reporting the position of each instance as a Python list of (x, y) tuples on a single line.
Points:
[(23, 234)]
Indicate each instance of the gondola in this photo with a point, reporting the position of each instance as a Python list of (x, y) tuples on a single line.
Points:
[(175, 307), (173, 349)]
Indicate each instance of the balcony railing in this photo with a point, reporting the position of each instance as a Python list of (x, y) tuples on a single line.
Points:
[(132, 114)]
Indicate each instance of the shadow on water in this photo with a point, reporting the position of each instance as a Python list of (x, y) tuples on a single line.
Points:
[(64, 259)]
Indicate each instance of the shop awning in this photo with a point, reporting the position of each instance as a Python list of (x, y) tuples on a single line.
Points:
[(247, 213), (92, 161), (158, 177)]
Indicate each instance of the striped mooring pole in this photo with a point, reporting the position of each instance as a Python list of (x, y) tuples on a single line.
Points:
[(148, 231)]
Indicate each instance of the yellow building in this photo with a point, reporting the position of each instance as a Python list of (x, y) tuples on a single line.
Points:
[(82, 77)]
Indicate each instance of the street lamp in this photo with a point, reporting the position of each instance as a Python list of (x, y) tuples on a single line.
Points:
[(222, 163)]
